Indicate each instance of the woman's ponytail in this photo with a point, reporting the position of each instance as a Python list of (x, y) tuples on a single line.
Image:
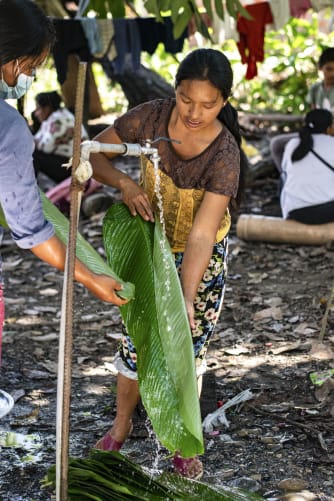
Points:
[(229, 117)]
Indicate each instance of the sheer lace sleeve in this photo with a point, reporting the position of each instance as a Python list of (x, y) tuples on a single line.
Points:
[(142, 122)]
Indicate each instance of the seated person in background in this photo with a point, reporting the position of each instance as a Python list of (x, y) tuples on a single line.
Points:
[(307, 194), (320, 95), (54, 137)]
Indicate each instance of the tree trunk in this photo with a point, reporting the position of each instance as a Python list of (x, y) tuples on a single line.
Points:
[(141, 85)]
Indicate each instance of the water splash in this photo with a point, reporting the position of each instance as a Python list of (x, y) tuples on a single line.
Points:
[(154, 468), (155, 160)]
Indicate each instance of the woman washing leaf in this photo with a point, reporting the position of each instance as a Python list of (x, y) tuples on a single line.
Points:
[(199, 177)]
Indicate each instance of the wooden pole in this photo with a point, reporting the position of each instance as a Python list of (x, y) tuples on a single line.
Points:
[(66, 325)]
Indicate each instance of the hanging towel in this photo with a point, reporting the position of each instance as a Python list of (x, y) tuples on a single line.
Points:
[(251, 34), (70, 38), (280, 10), (298, 8), (152, 33), (127, 43)]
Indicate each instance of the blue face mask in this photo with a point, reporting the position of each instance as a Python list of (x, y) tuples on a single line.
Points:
[(19, 89)]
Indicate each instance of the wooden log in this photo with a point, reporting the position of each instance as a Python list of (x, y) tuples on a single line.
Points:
[(278, 230), (273, 123)]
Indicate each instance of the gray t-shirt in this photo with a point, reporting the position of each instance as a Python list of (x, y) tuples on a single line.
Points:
[(319, 97), (19, 193)]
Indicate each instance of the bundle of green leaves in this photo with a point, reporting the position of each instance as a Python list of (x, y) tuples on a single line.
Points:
[(106, 476)]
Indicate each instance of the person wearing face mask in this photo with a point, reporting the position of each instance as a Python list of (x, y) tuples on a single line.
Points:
[(23, 82), (26, 36)]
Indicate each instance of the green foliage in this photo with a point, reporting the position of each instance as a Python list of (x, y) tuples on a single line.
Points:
[(166, 62), (181, 11), (289, 69)]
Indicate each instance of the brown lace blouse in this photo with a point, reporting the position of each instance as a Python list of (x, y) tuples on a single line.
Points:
[(216, 169)]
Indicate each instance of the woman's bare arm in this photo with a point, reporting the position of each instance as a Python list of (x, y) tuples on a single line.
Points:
[(199, 246)]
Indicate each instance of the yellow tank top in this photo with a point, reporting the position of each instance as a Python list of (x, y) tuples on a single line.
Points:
[(180, 206)]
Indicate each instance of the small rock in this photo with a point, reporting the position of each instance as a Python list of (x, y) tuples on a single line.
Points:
[(246, 483), (274, 447), (256, 476), (268, 440), (228, 473), (292, 484)]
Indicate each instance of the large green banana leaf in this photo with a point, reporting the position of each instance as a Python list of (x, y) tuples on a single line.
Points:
[(84, 251), (157, 323)]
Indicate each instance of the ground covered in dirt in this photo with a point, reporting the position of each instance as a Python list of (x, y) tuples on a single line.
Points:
[(278, 442)]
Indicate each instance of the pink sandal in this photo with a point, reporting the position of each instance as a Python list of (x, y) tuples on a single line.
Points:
[(107, 443), (188, 467)]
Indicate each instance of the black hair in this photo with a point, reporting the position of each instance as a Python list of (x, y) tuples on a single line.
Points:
[(212, 65), (327, 56), (316, 122), (25, 31), (52, 99)]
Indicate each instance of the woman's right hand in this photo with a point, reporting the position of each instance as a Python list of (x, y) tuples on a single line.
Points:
[(137, 200)]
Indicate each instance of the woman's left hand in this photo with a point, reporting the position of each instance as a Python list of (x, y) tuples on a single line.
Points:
[(191, 313)]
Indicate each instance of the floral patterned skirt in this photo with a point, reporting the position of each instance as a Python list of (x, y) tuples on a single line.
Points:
[(208, 304)]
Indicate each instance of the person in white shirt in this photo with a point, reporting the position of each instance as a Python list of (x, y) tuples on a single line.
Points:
[(54, 137), (320, 95), (307, 193)]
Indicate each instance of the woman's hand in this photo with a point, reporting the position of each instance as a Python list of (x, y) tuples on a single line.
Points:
[(191, 313), (132, 194), (136, 199), (53, 252), (105, 288)]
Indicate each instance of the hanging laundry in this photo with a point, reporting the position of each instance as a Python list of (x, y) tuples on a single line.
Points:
[(251, 32), (107, 33), (224, 29), (298, 8), (152, 33), (92, 33), (280, 10), (128, 45), (70, 38), (321, 4), (99, 34)]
